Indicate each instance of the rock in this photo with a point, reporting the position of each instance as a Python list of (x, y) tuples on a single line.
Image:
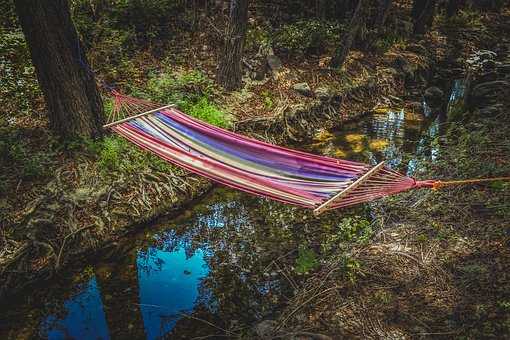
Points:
[(488, 93), (405, 66), (434, 97), (274, 63), (265, 329), (415, 107), (303, 89), (323, 93), (491, 110)]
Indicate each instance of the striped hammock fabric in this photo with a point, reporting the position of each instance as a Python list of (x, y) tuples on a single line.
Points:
[(259, 168)]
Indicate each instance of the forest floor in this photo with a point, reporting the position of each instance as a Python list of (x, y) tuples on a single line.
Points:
[(439, 260)]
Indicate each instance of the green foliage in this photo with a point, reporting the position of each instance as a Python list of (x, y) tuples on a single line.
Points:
[(356, 229), (350, 229), (267, 98), (191, 91), (306, 260), (387, 41), (29, 164), (208, 112), (18, 86), (147, 19), (111, 153), (257, 36), (307, 36), (182, 88), (350, 268), (117, 155)]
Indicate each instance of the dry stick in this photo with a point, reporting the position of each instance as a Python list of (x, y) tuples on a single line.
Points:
[(57, 262), (302, 305), (208, 323)]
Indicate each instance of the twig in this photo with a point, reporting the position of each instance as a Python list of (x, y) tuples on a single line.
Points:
[(57, 262), (302, 305), (208, 323)]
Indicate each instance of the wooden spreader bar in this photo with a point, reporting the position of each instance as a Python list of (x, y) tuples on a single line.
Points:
[(324, 206), (137, 116)]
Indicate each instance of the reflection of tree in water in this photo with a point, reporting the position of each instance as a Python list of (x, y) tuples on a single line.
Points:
[(240, 239)]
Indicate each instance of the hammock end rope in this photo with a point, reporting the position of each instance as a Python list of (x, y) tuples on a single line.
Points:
[(436, 185)]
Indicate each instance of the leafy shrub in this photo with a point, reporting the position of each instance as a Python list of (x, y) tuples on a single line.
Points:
[(307, 36), (350, 229), (30, 165), (350, 268), (19, 87), (191, 91), (356, 229), (117, 155), (385, 42), (257, 36), (268, 99), (306, 260), (180, 88), (208, 112), (111, 153)]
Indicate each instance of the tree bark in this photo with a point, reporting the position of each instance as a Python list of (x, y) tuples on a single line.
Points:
[(229, 70), (453, 7), (382, 13), (348, 37), (423, 15), (74, 105)]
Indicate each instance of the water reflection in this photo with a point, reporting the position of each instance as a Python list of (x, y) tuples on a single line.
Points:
[(168, 284), (83, 317), (392, 137)]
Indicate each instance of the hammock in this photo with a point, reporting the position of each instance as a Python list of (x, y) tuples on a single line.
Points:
[(290, 176)]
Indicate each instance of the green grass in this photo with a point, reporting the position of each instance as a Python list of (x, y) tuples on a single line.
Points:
[(193, 92)]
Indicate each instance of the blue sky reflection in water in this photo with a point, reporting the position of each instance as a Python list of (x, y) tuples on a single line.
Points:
[(168, 286), (168, 283), (84, 317)]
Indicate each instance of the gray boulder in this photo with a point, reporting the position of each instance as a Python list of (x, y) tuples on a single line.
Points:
[(434, 96), (274, 63), (303, 89)]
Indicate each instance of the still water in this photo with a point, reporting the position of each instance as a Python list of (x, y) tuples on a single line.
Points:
[(220, 265)]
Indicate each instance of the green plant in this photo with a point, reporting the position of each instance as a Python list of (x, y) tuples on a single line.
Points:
[(257, 36), (182, 88), (19, 88), (388, 40), (356, 229), (111, 153), (350, 268), (191, 91), (307, 36), (206, 111), (267, 97), (306, 260)]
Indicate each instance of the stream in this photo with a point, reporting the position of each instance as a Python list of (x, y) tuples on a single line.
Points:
[(215, 267)]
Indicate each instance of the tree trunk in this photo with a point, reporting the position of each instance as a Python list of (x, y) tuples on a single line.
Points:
[(348, 37), (74, 105), (229, 70), (382, 13), (453, 7), (423, 15)]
